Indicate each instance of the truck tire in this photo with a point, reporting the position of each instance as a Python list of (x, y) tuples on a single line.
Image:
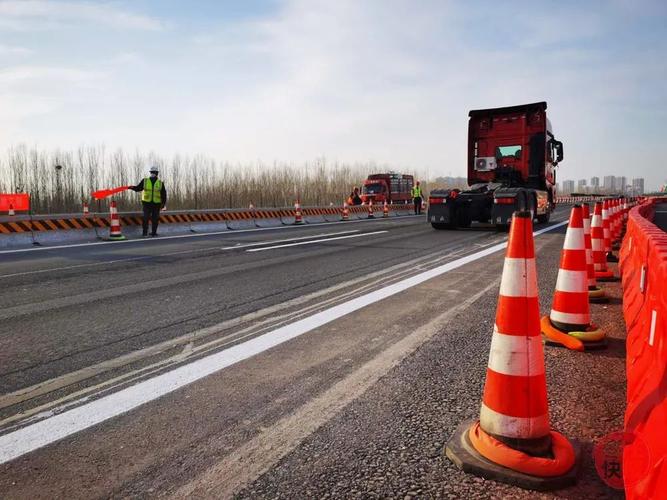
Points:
[(440, 225), (544, 218), (502, 228)]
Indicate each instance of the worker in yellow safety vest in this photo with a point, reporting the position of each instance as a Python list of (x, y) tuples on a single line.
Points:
[(153, 199), (417, 198)]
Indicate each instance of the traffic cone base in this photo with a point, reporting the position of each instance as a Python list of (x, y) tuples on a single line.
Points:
[(596, 295), (589, 339), (463, 452), (606, 276), (512, 441)]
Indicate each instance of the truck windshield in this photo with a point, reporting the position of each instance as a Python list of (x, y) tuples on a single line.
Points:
[(373, 188), (508, 152)]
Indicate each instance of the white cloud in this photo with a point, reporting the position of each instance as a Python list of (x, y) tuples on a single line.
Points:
[(31, 15), (390, 81)]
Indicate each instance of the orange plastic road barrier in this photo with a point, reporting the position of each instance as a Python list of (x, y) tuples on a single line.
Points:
[(597, 244), (496, 451), (15, 201), (643, 265), (570, 311), (513, 429), (104, 193)]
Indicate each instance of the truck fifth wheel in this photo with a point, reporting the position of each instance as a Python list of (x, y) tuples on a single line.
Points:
[(512, 160)]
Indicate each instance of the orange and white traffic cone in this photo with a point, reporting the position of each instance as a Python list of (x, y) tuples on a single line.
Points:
[(602, 272), (115, 233), (596, 294), (617, 225), (569, 322), (371, 215), (385, 209), (298, 216), (346, 211), (86, 210), (512, 441), (11, 212), (606, 225)]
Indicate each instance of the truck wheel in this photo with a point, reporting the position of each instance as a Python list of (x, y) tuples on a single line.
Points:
[(502, 228), (440, 225), (544, 218)]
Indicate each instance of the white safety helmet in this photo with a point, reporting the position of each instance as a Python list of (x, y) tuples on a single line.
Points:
[(153, 169)]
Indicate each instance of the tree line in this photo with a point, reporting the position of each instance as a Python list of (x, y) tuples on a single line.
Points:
[(61, 181)]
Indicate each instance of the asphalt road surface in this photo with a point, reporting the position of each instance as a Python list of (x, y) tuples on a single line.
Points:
[(192, 365)]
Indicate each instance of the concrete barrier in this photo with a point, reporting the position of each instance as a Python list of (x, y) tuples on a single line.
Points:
[(313, 215), (333, 214), (240, 220), (268, 218), (23, 229)]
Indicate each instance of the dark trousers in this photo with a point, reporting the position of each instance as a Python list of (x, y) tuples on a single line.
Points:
[(152, 212), (418, 205)]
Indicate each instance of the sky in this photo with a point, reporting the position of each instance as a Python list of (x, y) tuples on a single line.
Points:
[(388, 81)]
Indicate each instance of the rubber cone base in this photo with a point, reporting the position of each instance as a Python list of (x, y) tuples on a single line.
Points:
[(553, 336), (597, 296), (461, 452), (298, 223), (598, 345), (115, 238), (607, 279)]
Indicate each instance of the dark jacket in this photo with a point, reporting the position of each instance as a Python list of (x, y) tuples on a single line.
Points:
[(163, 192)]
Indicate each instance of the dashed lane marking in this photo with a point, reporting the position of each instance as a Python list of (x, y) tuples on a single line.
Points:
[(310, 242)]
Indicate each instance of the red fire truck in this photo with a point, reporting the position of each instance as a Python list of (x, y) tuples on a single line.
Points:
[(391, 187)]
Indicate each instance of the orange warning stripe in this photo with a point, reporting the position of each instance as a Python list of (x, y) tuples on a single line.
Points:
[(93, 221)]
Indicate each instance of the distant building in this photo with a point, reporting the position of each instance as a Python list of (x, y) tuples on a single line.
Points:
[(621, 184), (609, 183), (637, 186), (581, 186), (568, 187), (595, 184)]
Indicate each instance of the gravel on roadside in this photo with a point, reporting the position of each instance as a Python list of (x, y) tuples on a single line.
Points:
[(389, 442)]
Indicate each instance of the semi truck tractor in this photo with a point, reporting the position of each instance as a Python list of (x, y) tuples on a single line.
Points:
[(391, 187), (512, 160)]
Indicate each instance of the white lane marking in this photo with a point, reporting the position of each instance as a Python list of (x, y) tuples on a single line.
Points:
[(261, 243), (50, 430), (360, 235), (199, 235), (168, 254)]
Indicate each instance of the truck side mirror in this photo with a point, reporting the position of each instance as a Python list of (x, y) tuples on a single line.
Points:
[(558, 145)]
